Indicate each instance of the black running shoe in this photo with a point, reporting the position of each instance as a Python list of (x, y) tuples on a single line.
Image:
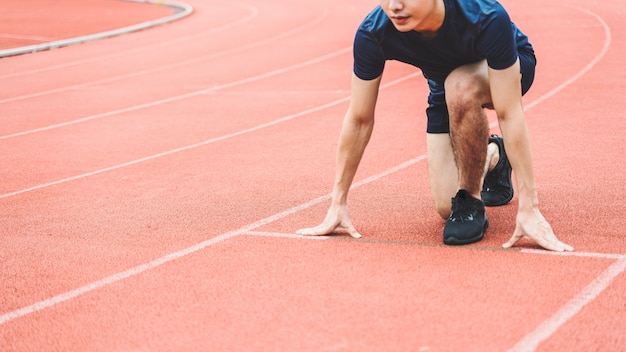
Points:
[(498, 187), (467, 222)]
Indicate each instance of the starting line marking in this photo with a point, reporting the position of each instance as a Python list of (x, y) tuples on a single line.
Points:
[(574, 254), (612, 256), (531, 341), (285, 235)]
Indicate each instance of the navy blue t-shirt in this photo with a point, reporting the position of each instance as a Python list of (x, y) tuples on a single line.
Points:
[(472, 30)]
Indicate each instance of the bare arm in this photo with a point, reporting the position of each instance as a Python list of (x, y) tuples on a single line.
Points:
[(507, 101), (355, 134)]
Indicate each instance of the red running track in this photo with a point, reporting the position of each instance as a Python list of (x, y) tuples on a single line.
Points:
[(152, 183)]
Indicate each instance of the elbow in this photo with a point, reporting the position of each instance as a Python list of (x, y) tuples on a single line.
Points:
[(510, 112), (360, 118)]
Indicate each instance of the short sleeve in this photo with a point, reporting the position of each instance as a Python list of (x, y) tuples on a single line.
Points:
[(497, 40), (369, 59)]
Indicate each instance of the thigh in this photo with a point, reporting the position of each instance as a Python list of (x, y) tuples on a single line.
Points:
[(442, 171)]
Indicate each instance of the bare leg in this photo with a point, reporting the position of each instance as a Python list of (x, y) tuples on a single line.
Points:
[(442, 172), (467, 92)]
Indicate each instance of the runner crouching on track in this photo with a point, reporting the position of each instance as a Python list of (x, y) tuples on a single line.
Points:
[(474, 58)]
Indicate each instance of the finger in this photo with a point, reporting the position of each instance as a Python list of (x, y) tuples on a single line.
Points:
[(564, 247), (511, 242), (548, 244), (517, 235), (354, 233), (348, 226), (322, 230), (546, 239), (319, 230), (554, 244)]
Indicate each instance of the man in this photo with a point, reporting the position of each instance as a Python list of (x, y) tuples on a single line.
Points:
[(474, 58)]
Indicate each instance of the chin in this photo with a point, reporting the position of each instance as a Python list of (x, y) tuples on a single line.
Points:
[(403, 29)]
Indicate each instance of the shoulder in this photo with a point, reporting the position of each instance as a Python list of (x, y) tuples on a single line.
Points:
[(497, 37), (375, 24), (368, 53), (478, 15)]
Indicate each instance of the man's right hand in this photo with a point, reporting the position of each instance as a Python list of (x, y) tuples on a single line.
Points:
[(355, 133), (337, 217)]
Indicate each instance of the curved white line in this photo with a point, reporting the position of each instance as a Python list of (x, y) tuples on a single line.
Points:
[(282, 35), (545, 330), (584, 70), (206, 142), (184, 10), (254, 12), (258, 127), (63, 297), (180, 97)]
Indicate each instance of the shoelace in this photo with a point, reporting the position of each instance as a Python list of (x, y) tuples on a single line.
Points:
[(462, 210)]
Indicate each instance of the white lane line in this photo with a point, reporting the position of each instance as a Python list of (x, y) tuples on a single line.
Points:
[(545, 96), (182, 10), (596, 255), (544, 331), (573, 254), (182, 96), (150, 71), (253, 13), (588, 67), (588, 294), (531, 341), (63, 297), (52, 301), (284, 235), (196, 145)]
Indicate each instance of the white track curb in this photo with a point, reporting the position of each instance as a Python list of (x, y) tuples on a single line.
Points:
[(181, 10)]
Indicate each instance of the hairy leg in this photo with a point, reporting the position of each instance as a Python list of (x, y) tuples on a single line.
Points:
[(467, 93), (443, 173)]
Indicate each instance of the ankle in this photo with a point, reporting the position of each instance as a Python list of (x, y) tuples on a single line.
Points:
[(475, 195)]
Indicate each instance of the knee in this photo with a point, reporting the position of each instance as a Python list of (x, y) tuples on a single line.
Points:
[(463, 92)]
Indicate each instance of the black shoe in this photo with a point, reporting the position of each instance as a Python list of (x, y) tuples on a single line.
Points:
[(467, 222), (498, 187)]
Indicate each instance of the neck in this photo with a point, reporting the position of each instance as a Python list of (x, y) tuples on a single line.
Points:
[(433, 22)]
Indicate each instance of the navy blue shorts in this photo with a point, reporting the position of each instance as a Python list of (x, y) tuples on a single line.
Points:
[(437, 111)]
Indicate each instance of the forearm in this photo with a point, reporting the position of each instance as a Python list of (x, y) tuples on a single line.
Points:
[(354, 137), (507, 100), (529, 221), (517, 144)]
